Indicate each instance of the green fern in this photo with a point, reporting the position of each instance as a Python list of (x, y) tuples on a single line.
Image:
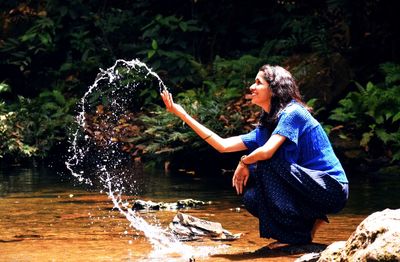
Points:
[(392, 72), (373, 112)]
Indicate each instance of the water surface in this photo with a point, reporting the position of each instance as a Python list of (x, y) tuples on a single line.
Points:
[(45, 216)]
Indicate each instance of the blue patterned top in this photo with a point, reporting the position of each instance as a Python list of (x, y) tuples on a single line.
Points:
[(306, 142)]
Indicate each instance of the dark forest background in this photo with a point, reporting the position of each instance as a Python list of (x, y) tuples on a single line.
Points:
[(344, 55)]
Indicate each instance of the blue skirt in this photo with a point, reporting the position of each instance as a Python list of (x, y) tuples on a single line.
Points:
[(288, 199)]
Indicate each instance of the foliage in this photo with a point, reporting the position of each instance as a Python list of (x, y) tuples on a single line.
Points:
[(168, 52), (167, 35), (4, 87), (304, 33), (10, 132), (373, 112), (200, 49), (31, 127), (234, 73)]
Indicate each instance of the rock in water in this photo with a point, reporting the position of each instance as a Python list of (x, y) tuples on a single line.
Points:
[(180, 204), (377, 238), (187, 227), (147, 205), (184, 203)]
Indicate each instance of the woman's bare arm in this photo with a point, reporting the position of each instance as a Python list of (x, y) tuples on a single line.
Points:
[(231, 144), (266, 151)]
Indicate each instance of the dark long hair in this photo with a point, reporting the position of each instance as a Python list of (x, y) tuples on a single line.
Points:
[(284, 89)]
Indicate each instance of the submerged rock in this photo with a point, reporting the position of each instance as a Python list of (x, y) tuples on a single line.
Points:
[(150, 205), (377, 238), (188, 228)]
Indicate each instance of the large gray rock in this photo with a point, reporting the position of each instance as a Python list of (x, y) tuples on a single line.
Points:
[(187, 227), (333, 253), (377, 238)]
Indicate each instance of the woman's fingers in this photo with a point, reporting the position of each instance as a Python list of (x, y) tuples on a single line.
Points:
[(163, 97), (167, 99), (239, 180), (238, 188), (237, 183), (245, 180)]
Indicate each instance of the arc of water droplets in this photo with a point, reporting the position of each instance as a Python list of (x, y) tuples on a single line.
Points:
[(162, 241), (109, 74)]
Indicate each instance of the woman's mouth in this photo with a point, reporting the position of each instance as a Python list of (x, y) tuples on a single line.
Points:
[(250, 96)]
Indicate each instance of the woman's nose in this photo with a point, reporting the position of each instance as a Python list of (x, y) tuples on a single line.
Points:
[(252, 87)]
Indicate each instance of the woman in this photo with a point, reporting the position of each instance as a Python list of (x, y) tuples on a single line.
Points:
[(297, 178)]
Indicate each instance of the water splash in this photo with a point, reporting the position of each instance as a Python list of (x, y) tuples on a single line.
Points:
[(90, 164), (110, 76)]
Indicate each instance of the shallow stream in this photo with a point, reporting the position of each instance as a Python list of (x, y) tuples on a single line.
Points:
[(45, 216)]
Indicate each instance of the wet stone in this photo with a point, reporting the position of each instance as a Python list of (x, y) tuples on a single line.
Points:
[(190, 228), (180, 204)]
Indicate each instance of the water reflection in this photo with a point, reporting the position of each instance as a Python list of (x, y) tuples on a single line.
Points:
[(23, 180), (367, 193), (372, 193)]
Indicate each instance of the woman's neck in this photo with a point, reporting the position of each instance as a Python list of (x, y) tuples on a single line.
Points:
[(266, 107)]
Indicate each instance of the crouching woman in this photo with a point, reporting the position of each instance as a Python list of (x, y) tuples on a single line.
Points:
[(293, 176)]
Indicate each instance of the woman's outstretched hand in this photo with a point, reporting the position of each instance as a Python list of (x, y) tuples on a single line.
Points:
[(172, 107), (239, 179)]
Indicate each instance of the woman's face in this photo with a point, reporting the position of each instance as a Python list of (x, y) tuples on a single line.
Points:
[(260, 93)]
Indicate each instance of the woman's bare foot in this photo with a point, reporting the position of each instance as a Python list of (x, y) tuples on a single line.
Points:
[(317, 224), (276, 244)]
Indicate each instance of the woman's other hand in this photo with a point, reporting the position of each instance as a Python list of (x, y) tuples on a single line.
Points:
[(170, 105), (240, 178)]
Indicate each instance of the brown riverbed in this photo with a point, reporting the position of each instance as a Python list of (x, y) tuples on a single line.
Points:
[(72, 224), (80, 226)]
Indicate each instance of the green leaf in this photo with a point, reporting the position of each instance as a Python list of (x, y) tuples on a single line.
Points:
[(366, 137), (66, 67), (183, 26), (370, 87), (396, 156), (59, 97), (45, 39), (396, 117), (49, 106), (151, 53), (379, 119), (4, 87), (312, 102), (392, 72), (85, 55), (154, 44)]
